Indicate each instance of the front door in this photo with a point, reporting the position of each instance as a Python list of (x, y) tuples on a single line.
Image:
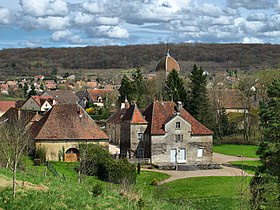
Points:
[(173, 155), (181, 155)]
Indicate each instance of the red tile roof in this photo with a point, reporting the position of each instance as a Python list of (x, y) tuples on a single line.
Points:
[(134, 116), (95, 93), (158, 113), (5, 105), (66, 122), (40, 100)]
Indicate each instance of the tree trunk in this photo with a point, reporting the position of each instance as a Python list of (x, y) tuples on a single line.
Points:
[(14, 180)]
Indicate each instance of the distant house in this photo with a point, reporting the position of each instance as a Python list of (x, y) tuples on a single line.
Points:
[(39, 78), (166, 134), (50, 85), (39, 103), (26, 117), (98, 97), (5, 106), (232, 100), (63, 96), (92, 84), (63, 128)]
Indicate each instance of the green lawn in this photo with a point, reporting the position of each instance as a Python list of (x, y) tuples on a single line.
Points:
[(236, 150), (206, 192), (66, 193), (250, 166)]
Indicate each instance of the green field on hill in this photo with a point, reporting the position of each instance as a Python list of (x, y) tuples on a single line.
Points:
[(64, 191)]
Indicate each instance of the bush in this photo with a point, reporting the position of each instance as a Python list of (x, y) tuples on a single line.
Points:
[(90, 110), (154, 182), (41, 154), (97, 161), (97, 189)]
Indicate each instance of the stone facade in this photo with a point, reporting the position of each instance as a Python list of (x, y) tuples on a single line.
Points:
[(114, 132), (135, 144), (54, 148), (180, 140)]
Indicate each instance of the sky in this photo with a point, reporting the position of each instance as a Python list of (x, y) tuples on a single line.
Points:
[(78, 23)]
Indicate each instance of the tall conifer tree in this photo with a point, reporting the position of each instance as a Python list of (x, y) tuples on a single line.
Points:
[(174, 88), (198, 104)]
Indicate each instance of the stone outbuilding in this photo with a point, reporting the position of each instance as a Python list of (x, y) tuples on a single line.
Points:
[(63, 128), (165, 133)]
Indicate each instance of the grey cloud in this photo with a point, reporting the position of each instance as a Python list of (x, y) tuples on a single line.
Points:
[(257, 17), (251, 4)]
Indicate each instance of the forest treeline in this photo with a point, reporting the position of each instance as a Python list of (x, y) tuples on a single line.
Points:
[(212, 57)]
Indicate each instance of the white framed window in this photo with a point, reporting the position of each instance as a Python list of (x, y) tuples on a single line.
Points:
[(178, 125), (178, 137), (200, 152), (140, 153), (141, 136)]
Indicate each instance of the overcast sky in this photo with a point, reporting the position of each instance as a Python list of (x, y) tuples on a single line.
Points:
[(70, 23)]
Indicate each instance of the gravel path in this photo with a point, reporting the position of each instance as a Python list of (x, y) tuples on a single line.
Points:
[(225, 171), (220, 158), (217, 158)]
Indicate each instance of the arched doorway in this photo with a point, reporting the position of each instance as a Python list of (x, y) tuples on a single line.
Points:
[(71, 155)]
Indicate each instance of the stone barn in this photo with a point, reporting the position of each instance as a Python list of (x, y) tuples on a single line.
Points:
[(63, 128)]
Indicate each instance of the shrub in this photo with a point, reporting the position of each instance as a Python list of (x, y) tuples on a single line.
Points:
[(90, 110), (97, 189), (98, 162), (41, 154), (154, 182)]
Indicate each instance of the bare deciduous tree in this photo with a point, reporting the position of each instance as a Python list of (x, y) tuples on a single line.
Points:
[(15, 142)]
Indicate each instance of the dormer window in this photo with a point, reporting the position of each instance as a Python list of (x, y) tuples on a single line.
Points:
[(178, 125)]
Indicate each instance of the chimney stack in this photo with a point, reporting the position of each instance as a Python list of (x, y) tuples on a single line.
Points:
[(179, 106)]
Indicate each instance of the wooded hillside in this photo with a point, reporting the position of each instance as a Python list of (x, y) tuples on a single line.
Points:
[(212, 57)]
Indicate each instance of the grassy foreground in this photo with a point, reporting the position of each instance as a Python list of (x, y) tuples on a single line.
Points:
[(208, 192), (64, 192), (236, 150)]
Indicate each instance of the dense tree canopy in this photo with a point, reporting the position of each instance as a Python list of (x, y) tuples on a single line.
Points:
[(265, 186), (133, 90)]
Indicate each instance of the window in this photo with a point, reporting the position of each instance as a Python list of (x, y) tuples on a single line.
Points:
[(141, 136), (178, 137), (178, 125), (140, 153), (199, 152)]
